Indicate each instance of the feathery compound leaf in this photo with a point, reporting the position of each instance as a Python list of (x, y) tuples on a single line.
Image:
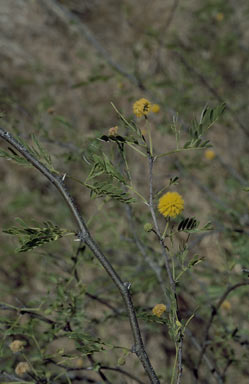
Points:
[(35, 149), (191, 225), (12, 155), (41, 154), (208, 117), (32, 237), (104, 188), (102, 164)]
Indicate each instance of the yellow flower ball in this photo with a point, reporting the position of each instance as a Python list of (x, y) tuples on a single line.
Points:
[(159, 309), (219, 16), (79, 363), (22, 368), (155, 108), (171, 204), (17, 346), (209, 154), (142, 107), (226, 305)]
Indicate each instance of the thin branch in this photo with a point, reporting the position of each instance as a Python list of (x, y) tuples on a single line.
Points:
[(93, 368), (210, 366), (71, 20), (154, 266), (179, 360), (13, 378), (171, 16), (157, 230), (84, 235), (214, 313), (6, 307), (211, 89), (128, 374)]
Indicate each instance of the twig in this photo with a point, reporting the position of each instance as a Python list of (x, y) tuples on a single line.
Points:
[(171, 16), (157, 230), (71, 20), (212, 90), (8, 376), (212, 369), (179, 360), (84, 235), (92, 368), (154, 266), (212, 316), (6, 307), (117, 369)]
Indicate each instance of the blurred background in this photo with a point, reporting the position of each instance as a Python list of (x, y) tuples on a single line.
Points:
[(62, 62)]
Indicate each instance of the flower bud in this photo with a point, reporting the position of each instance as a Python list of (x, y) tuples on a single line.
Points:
[(148, 227)]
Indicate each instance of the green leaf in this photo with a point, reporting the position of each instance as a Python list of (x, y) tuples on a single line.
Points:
[(102, 164), (105, 188), (32, 237), (35, 149), (63, 121), (12, 155), (123, 357)]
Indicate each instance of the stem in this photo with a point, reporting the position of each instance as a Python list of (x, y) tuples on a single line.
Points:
[(153, 214), (177, 150), (136, 149), (124, 288), (212, 316), (149, 134)]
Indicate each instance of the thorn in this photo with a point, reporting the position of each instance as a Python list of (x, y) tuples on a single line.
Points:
[(127, 285), (63, 177)]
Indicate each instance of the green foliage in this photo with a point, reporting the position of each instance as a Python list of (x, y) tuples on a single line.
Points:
[(108, 189), (102, 165), (208, 117), (191, 225), (32, 237), (35, 149)]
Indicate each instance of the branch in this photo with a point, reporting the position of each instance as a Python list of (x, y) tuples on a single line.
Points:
[(92, 368), (152, 210), (71, 20), (84, 235), (211, 89), (205, 358), (212, 316)]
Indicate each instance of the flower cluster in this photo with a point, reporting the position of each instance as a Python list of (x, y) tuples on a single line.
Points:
[(17, 346), (22, 368), (113, 131), (143, 106), (171, 204), (209, 154), (226, 305), (159, 309)]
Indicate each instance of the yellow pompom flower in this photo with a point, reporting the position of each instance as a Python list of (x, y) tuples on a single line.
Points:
[(17, 346), (226, 305), (22, 368), (159, 309), (209, 154), (219, 16), (142, 107), (171, 204), (155, 108)]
